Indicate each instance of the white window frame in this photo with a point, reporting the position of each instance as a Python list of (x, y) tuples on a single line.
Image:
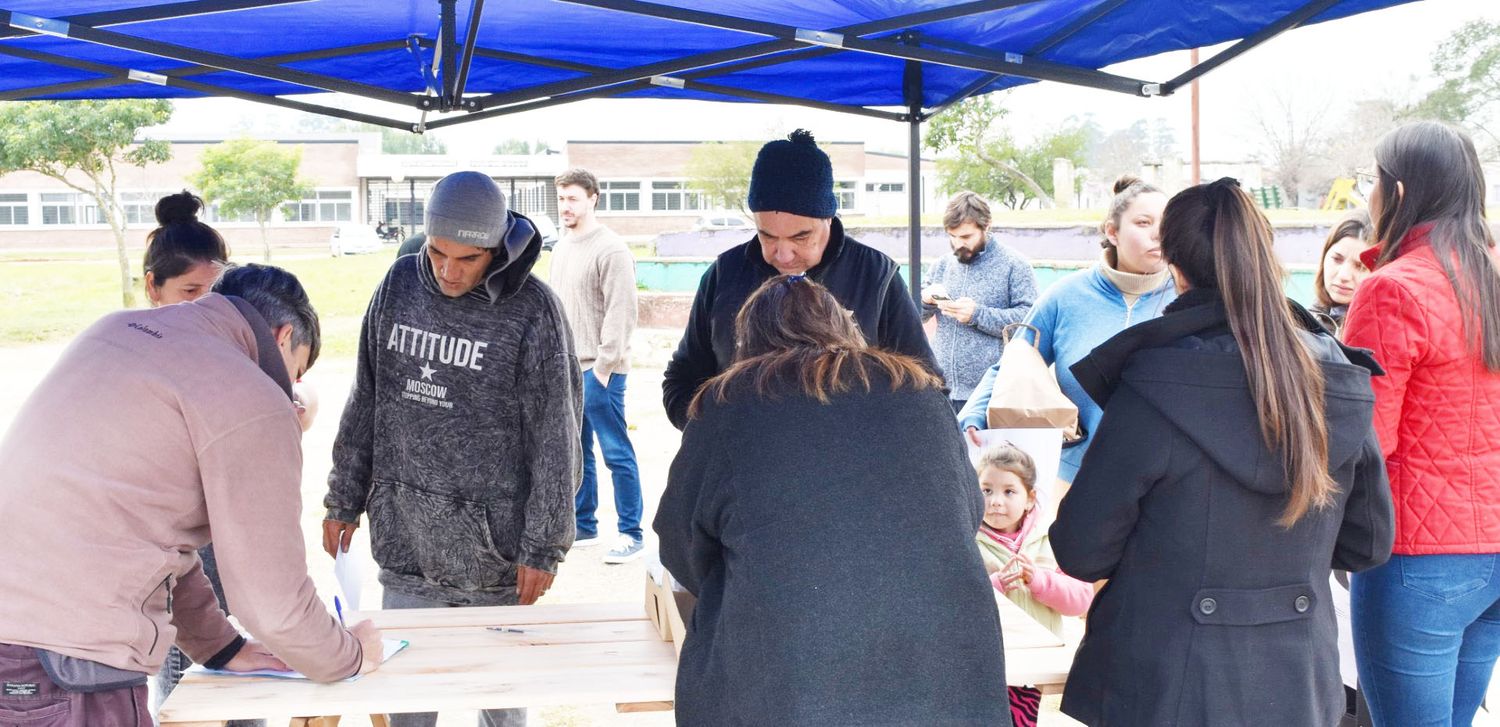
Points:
[(608, 192), (323, 205), (10, 207), (690, 202), (848, 187)]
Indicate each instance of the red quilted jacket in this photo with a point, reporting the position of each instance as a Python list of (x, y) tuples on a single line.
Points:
[(1437, 409)]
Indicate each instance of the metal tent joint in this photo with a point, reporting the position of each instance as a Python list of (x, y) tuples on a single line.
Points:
[(38, 24), (824, 38)]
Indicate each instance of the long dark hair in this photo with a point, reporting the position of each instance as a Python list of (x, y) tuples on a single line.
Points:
[(1443, 184), (1356, 225), (180, 240), (1217, 238), (792, 330)]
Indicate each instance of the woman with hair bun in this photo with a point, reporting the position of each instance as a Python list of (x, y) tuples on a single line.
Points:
[(1129, 285), (183, 255)]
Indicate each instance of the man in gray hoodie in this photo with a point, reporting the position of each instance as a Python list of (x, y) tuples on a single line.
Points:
[(460, 437)]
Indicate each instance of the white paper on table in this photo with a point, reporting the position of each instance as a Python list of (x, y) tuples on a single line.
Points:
[(350, 577), (390, 646), (1044, 446)]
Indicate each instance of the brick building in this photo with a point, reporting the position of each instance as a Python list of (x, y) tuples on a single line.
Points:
[(645, 190)]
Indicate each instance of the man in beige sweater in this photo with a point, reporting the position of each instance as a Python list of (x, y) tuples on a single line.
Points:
[(593, 272), (156, 431)]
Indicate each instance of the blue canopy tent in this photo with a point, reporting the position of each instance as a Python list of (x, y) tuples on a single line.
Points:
[(902, 60)]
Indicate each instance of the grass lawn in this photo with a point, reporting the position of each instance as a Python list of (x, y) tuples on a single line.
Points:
[(52, 296)]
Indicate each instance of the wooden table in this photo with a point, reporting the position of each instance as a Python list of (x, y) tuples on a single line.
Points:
[(1034, 656), (569, 654)]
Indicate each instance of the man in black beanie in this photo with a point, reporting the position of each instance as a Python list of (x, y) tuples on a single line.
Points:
[(797, 232)]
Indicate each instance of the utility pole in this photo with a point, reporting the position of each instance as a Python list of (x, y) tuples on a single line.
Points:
[(1197, 160)]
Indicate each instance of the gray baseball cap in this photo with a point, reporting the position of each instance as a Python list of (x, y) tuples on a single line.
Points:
[(468, 208)]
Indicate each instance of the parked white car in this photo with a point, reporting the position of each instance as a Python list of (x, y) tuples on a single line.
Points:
[(723, 221), (353, 239), (545, 228)]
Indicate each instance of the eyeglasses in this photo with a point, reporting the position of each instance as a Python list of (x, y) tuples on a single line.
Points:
[(1365, 176)]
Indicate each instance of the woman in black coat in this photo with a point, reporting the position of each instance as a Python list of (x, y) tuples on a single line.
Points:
[(823, 510), (1235, 465)]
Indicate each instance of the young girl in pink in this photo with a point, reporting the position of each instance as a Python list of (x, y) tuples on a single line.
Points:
[(1013, 542)]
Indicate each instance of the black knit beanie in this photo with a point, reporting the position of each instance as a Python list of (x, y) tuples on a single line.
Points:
[(793, 175)]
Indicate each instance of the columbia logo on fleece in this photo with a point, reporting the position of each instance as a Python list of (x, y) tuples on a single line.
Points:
[(143, 328)]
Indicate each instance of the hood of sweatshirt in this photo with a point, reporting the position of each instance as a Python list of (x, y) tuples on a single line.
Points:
[(1188, 366), (513, 261)]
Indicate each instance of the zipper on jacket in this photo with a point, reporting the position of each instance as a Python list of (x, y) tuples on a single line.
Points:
[(156, 630)]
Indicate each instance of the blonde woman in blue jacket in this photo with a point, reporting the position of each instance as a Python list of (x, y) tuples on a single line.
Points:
[(1131, 284)]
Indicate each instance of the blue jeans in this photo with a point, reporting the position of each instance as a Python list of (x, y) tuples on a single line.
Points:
[(604, 415), (1426, 636)]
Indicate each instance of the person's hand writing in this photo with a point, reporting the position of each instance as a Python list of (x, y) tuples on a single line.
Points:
[(336, 536), (531, 584), (961, 310), (371, 645), (254, 656)]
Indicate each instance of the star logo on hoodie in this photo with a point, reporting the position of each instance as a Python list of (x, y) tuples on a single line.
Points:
[(428, 371)]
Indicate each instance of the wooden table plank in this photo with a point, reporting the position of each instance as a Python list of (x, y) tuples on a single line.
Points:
[(1022, 631), (610, 654), (500, 615)]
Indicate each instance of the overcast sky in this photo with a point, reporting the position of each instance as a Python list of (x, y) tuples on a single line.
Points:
[(1386, 53)]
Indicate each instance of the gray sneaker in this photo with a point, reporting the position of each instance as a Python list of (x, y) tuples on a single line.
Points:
[(626, 549)]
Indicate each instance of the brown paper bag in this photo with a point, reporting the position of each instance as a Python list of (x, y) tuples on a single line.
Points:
[(1026, 393)]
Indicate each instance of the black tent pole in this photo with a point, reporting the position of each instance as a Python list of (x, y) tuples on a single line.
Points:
[(913, 92)]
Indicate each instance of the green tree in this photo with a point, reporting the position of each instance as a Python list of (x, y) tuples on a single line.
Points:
[(248, 176), (519, 146), (80, 143), (1469, 65), (721, 170), (981, 154), (395, 141)]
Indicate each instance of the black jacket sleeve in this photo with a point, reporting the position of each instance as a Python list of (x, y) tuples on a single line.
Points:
[(1124, 461), (1369, 527), (901, 325), (689, 512), (693, 363)]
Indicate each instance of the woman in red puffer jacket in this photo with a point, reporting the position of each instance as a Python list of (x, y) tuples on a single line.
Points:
[(1427, 623)]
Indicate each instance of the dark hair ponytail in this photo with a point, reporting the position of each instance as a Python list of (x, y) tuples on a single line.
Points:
[(1217, 238), (180, 241)]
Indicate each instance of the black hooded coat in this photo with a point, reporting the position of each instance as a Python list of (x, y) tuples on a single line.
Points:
[(1214, 614)]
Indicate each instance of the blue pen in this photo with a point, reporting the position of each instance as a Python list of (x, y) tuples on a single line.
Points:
[(339, 609)]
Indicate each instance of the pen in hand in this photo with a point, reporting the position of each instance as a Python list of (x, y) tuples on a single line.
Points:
[(338, 608)]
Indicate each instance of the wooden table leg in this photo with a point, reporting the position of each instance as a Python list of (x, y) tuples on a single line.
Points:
[(315, 721), (380, 720), (628, 707)]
